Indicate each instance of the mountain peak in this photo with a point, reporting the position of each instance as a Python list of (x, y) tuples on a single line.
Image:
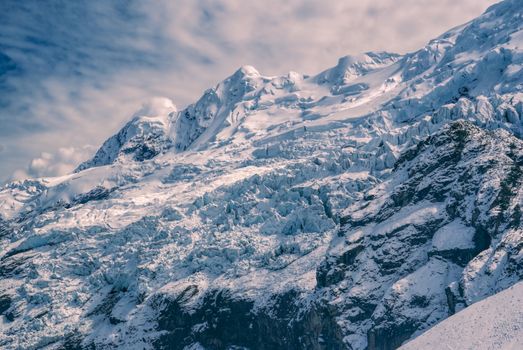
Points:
[(144, 137), (351, 66), (247, 71)]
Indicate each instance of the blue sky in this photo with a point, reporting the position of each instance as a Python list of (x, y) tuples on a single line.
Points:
[(73, 72)]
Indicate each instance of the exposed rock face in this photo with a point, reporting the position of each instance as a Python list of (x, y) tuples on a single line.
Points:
[(442, 214), (221, 322)]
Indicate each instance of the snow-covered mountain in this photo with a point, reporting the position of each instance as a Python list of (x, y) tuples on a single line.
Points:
[(353, 209)]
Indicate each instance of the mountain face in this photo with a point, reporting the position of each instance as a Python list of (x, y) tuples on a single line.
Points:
[(479, 325), (353, 209)]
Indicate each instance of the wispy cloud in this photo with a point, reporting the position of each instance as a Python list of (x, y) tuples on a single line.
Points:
[(63, 161), (72, 72)]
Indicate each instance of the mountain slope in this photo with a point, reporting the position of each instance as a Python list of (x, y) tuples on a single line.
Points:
[(493, 323), (353, 209), (436, 236)]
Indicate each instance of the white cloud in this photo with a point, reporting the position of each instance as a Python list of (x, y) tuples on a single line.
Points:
[(306, 36), (64, 161)]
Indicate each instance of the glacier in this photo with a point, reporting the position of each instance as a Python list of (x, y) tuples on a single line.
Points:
[(352, 209)]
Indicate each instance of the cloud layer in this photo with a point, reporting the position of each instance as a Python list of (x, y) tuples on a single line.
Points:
[(63, 161), (72, 72)]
